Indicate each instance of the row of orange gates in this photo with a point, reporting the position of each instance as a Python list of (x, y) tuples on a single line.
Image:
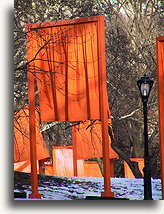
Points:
[(63, 156), (63, 165), (67, 160)]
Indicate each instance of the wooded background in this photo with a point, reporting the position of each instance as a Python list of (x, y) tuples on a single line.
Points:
[(131, 28)]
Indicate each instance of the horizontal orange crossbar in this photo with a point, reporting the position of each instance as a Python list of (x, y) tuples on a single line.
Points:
[(63, 22)]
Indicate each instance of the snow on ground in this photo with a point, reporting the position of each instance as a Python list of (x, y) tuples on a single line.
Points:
[(77, 188)]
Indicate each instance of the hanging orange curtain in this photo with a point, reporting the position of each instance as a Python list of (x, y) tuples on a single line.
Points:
[(88, 140), (63, 161), (92, 169), (66, 66), (49, 169), (21, 137), (160, 72), (128, 172), (24, 166)]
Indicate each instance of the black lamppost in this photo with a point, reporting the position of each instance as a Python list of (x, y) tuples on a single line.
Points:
[(145, 85)]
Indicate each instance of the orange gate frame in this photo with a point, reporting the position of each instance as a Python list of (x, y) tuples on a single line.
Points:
[(160, 75), (103, 101)]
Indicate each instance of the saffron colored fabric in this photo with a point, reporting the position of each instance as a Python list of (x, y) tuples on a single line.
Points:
[(65, 60), (63, 161), (49, 169), (92, 169), (21, 137), (87, 140), (24, 166), (127, 171)]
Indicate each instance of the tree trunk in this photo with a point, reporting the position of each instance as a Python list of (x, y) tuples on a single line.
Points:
[(132, 164)]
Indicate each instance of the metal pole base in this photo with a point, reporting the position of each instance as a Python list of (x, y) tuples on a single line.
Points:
[(148, 198), (35, 195), (107, 194), (147, 183)]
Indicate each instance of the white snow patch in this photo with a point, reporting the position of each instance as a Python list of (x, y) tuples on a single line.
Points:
[(77, 188)]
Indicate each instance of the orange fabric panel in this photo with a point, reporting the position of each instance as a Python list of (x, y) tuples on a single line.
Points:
[(49, 169), (127, 170), (160, 73), (87, 141), (63, 164), (21, 137), (63, 161), (24, 166), (80, 168), (91, 169), (66, 66)]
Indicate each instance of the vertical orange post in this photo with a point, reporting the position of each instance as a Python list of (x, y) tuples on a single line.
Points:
[(104, 108), (160, 73), (32, 131), (74, 151)]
